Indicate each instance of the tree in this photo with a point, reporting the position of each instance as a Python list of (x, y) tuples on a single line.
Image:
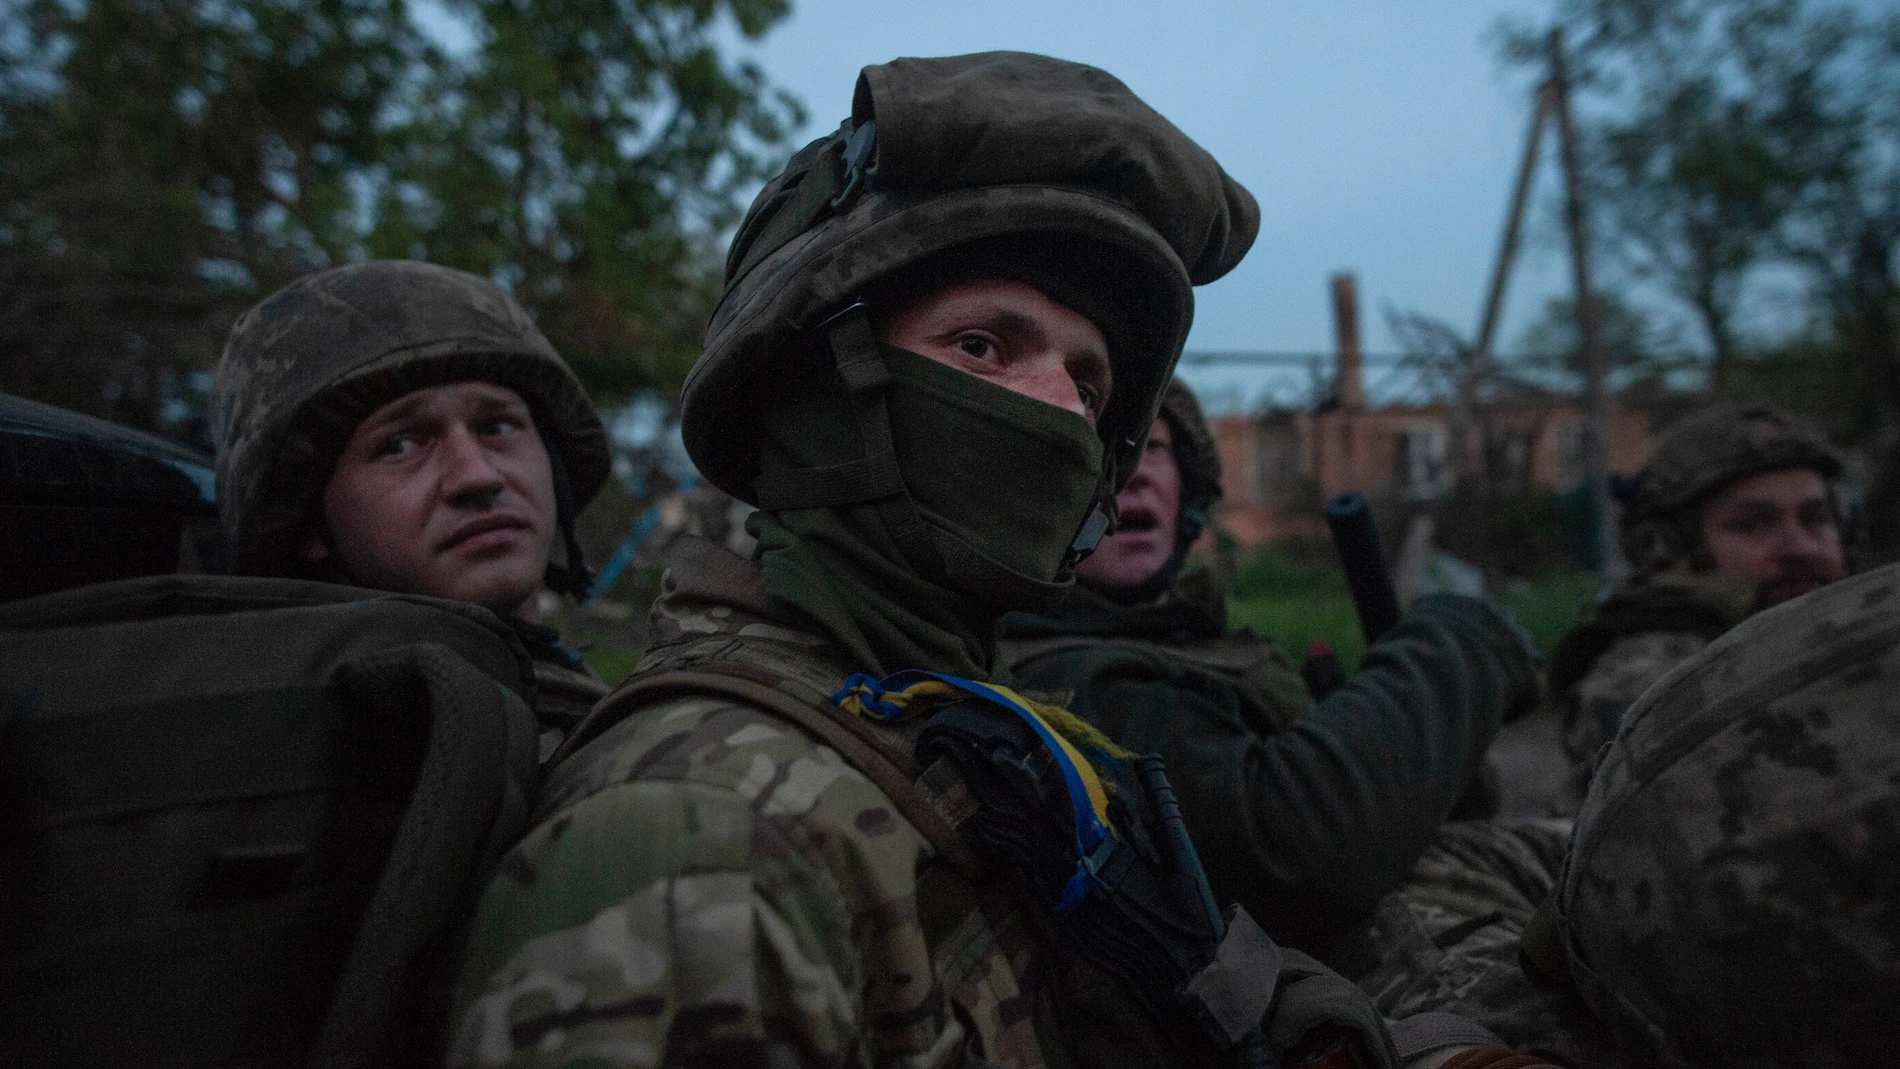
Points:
[(166, 163), (1681, 148), (1841, 96), (161, 161), (1553, 343), (1726, 134), (590, 153)]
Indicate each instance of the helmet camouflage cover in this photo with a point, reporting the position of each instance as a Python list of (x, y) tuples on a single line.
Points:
[(1699, 455), (303, 367), (945, 154), (1732, 896)]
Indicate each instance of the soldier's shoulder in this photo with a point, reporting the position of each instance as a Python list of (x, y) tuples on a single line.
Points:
[(714, 742), (1645, 655)]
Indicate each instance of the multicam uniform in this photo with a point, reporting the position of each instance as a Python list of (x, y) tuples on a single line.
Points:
[(711, 884), (776, 907)]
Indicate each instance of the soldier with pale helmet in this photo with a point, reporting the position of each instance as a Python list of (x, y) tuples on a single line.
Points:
[(1738, 509), (405, 427)]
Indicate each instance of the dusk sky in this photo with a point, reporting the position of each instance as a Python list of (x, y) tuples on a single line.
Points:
[(1379, 137)]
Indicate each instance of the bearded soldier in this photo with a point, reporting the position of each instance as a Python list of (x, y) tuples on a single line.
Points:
[(1306, 814), (404, 427), (1735, 512), (1727, 898), (817, 827), (1730, 898)]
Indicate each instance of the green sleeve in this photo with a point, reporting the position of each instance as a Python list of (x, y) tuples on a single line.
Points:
[(1310, 826)]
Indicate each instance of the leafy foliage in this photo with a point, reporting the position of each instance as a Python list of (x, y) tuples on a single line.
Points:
[(166, 163), (1726, 135), (162, 161), (590, 152), (1631, 343)]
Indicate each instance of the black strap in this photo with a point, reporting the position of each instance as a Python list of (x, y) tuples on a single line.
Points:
[(461, 814), (1435, 1030)]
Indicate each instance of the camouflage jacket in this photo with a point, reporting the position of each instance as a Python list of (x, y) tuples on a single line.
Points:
[(1448, 941), (707, 884), (1306, 814), (1634, 639)]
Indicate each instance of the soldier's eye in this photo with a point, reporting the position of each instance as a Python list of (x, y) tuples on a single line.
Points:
[(976, 346), (397, 445)]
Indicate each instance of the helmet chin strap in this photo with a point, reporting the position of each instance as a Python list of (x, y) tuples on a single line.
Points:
[(874, 478), (573, 578)]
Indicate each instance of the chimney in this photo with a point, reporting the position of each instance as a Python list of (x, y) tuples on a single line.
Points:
[(1349, 382)]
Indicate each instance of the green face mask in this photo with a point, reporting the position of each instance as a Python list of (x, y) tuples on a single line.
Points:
[(1000, 482), (1010, 476)]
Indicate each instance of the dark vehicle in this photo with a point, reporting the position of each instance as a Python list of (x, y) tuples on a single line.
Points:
[(85, 500)]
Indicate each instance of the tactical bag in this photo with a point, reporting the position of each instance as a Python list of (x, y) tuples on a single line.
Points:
[(239, 817)]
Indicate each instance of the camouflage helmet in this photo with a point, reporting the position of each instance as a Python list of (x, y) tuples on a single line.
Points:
[(949, 154), (1699, 455), (1198, 459), (303, 367), (1732, 895)]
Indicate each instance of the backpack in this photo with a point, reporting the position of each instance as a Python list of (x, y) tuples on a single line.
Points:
[(240, 819)]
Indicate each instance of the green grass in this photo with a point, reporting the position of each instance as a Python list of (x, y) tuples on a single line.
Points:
[(1294, 599), (611, 660), (1550, 604), (1294, 620)]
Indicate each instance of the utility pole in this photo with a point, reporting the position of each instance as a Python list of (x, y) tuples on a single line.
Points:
[(1513, 227), (1596, 398), (1478, 368)]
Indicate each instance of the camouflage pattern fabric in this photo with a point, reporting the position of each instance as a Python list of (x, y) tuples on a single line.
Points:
[(1634, 639), (1449, 940), (1196, 457), (968, 150), (1593, 709), (1305, 814), (709, 885), (1732, 896)]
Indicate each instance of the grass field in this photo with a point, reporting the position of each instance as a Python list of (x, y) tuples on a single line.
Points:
[(1313, 603)]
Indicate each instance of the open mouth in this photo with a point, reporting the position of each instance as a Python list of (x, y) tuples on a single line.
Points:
[(1136, 521)]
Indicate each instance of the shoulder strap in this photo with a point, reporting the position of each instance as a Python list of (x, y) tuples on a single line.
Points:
[(864, 746)]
